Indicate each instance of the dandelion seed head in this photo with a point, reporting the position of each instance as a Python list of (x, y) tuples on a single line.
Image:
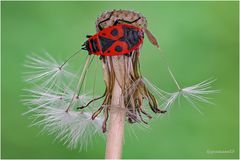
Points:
[(45, 70), (52, 103), (38, 97), (197, 92), (72, 128)]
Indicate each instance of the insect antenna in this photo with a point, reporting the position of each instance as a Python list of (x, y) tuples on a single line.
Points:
[(75, 53)]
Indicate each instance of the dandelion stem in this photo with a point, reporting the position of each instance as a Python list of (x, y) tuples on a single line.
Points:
[(116, 125)]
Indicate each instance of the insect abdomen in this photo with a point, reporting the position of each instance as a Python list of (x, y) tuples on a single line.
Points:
[(131, 37)]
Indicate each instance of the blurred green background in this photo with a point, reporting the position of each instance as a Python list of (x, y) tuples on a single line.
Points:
[(200, 40)]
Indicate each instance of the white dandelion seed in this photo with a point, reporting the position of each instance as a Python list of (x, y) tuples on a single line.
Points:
[(53, 105), (72, 128), (38, 98), (45, 70), (197, 92), (49, 109)]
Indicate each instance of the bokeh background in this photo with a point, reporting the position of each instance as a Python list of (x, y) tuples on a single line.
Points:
[(200, 40)]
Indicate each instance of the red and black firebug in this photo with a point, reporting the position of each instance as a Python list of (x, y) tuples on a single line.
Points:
[(119, 39)]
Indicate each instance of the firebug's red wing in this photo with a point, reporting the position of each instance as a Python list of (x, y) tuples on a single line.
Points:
[(113, 33), (117, 48), (111, 42)]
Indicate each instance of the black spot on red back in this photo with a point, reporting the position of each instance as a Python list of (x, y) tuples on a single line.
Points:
[(114, 32), (118, 48)]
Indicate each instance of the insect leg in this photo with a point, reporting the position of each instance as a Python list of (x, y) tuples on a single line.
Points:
[(99, 24), (128, 55), (101, 57), (122, 20)]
